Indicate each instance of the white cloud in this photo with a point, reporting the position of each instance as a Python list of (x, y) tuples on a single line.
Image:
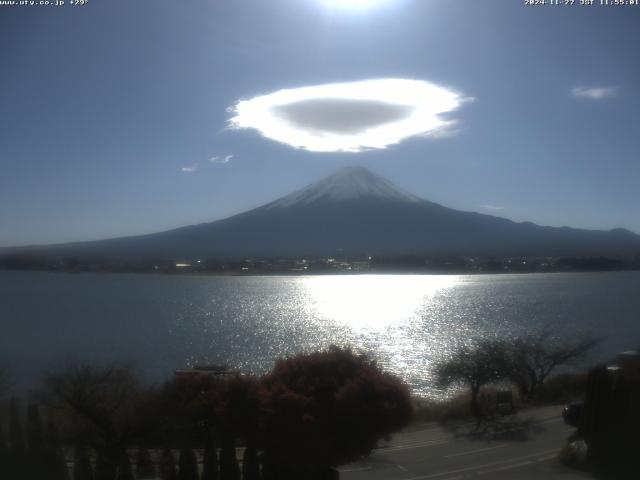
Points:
[(491, 207), (349, 117), (220, 159), (189, 168), (594, 93)]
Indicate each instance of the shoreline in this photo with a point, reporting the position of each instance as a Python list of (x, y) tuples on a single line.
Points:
[(312, 274)]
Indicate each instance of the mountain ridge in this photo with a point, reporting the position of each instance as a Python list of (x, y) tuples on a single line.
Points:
[(355, 211)]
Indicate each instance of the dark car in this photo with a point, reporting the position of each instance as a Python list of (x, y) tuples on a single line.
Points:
[(572, 413)]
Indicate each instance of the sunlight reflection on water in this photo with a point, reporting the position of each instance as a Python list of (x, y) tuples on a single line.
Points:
[(407, 322), (373, 302), (379, 314)]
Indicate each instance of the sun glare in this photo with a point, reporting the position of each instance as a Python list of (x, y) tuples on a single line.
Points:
[(372, 302), (353, 4)]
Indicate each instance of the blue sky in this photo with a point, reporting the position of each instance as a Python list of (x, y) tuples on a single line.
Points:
[(109, 113)]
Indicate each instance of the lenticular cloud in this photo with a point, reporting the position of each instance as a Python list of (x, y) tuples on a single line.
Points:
[(349, 117)]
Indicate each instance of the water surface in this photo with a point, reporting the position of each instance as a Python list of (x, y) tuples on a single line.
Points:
[(408, 322)]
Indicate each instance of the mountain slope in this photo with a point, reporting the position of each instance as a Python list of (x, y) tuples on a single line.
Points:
[(359, 212)]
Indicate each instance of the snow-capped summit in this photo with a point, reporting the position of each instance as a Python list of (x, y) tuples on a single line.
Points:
[(349, 183)]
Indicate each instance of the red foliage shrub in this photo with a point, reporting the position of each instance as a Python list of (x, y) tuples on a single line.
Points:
[(329, 408)]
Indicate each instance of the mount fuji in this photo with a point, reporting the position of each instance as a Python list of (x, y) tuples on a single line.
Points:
[(359, 212)]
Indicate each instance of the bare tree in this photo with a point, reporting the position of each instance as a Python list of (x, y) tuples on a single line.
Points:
[(474, 366), (533, 358), (100, 408)]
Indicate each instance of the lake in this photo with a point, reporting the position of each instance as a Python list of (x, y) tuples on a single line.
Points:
[(163, 322)]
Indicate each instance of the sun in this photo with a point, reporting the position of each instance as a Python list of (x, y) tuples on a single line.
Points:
[(353, 4)]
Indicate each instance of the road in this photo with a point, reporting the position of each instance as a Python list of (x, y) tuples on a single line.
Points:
[(517, 447)]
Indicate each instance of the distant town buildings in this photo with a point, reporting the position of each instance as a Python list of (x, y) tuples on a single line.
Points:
[(330, 264)]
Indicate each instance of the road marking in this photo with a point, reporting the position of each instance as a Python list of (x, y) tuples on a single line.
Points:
[(505, 467), (549, 420), (359, 469), (542, 455), (471, 452), (408, 441), (412, 446), (545, 458)]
